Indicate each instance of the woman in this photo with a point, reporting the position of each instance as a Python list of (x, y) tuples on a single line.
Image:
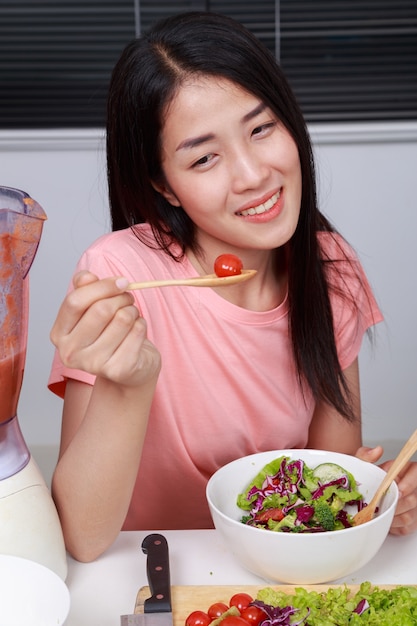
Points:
[(207, 153)]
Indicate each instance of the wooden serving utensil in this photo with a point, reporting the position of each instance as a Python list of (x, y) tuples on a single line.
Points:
[(209, 280), (405, 454)]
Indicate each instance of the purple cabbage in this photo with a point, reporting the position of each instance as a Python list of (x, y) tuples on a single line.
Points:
[(277, 616), (363, 606), (304, 513), (283, 483), (343, 481)]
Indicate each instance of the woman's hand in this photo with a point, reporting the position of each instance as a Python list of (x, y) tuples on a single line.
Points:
[(99, 330), (405, 519)]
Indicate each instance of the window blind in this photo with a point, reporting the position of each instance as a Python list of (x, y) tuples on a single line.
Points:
[(351, 60), (56, 57), (347, 60), (259, 16)]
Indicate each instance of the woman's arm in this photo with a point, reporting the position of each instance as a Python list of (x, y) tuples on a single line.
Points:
[(329, 430), (103, 428)]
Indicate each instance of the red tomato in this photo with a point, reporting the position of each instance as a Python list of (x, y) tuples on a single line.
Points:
[(233, 620), (227, 265), (217, 609), (241, 601), (254, 615), (198, 618), (274, 514)]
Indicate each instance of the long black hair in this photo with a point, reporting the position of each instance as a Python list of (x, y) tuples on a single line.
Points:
[(146, 78)]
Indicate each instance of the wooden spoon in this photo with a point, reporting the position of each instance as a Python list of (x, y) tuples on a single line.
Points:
[(209, 280), (405, 454)]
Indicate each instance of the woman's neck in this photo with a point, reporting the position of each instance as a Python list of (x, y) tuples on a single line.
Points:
[(266, 291)]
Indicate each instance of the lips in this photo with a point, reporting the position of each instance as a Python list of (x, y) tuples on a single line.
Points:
[(261, 208)]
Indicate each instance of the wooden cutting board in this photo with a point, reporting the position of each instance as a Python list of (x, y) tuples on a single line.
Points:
[(199, 597)]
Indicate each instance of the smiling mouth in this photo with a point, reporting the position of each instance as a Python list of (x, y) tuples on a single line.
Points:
[(261, 208)]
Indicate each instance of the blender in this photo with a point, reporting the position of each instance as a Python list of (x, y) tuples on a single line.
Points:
[(29, 523)]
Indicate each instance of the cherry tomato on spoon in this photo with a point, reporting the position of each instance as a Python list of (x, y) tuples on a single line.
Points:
[(227, 265)]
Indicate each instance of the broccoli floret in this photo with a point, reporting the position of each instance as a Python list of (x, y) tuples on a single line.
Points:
[(324, 515)]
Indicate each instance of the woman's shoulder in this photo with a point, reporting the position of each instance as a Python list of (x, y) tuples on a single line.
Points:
[(342, 263), (137, 241), (349, 288), (131, 252), (114, 240), (334, 247)]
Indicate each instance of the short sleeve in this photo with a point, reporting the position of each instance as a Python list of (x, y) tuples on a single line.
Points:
[(354, 307)]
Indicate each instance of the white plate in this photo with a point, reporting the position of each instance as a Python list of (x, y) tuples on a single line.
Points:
[(31, 594)]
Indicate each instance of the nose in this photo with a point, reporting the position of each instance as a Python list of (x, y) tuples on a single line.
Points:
[(248, 169)]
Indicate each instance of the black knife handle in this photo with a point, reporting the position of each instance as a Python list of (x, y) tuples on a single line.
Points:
[(157, 569)]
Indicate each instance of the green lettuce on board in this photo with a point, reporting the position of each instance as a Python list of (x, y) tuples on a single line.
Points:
[(338, 606)]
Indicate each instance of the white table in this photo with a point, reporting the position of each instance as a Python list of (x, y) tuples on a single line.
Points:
[(105, 589)]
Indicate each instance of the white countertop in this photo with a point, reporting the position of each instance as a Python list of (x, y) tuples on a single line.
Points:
[(105, 589)]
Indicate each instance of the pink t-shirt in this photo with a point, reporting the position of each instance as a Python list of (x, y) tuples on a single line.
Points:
[(228, 385)]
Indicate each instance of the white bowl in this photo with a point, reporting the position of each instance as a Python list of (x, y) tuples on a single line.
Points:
[(31, 593), (303, 558)]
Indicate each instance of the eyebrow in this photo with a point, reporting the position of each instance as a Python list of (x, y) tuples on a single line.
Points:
[(193, 142), (256, 111)]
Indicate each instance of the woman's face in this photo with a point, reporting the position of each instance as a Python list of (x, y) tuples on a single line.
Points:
[(232, 166)]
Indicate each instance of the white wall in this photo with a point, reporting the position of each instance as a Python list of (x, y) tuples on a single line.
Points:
[(367, 176), (367, 184)]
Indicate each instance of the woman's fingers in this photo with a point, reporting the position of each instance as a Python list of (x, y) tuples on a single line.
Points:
[(89, 291), (405, 519), (99, 329), (371, 455), (99, 333)]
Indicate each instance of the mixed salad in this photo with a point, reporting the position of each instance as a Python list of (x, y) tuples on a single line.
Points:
[(288, 496)]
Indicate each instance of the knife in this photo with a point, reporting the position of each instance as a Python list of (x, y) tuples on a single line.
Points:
[(157, 608)]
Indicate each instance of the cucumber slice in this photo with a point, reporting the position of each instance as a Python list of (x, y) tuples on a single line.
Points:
[(326, 472)]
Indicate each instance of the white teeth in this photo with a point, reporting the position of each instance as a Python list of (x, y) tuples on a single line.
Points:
[(261, 208)]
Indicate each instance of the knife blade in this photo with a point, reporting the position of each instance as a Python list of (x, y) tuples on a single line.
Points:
[(157, 608)]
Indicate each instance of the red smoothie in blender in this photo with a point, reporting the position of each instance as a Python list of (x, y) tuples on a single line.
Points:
[(13, 328)]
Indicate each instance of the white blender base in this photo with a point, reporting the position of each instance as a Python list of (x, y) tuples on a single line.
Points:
[(29, 522)]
